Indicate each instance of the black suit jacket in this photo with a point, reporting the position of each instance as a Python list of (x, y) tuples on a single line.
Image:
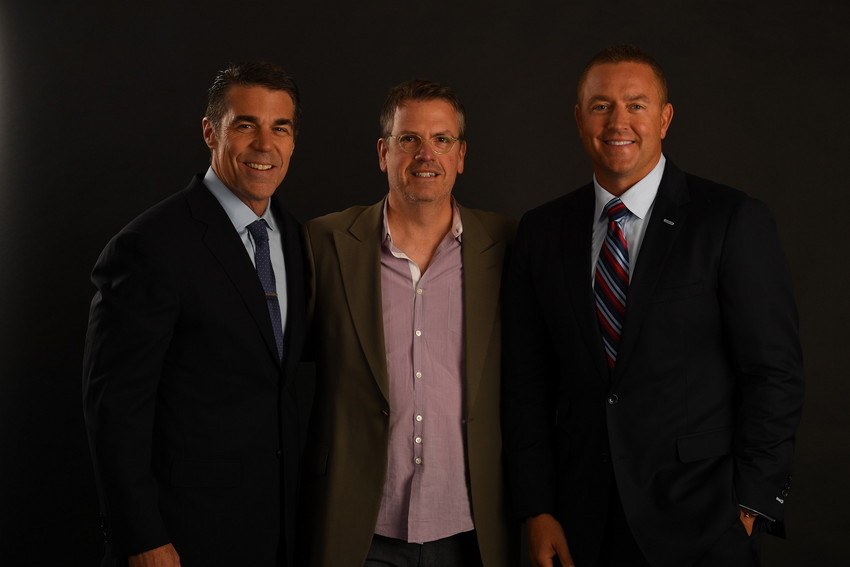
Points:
[(700, 412), (191, 416)]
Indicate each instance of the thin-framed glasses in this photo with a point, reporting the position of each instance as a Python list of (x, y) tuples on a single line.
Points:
[(411, 143)]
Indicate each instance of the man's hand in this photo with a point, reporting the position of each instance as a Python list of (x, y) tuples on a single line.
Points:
[(546, 539), (748, 519), (164, 556)]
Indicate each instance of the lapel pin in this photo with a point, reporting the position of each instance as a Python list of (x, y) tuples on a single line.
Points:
[(668, 221)]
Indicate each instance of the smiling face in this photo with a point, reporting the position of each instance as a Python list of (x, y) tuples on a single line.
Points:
[(252, 145), (622, 119), (424, 176)]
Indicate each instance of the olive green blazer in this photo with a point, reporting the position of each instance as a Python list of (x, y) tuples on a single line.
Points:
[(346, 457)]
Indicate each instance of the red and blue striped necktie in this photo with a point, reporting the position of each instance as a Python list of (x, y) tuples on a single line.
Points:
[(611, 281)]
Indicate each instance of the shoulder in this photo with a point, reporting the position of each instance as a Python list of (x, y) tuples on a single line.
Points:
[(704, 194), (716, 200), (344, 220), (497, 225), (702, 189), (337, 219), (159, 232), (575, 206), (171, 213)]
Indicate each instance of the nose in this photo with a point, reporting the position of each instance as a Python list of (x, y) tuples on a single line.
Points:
[(618, 117), (262, 140), (426, 152)]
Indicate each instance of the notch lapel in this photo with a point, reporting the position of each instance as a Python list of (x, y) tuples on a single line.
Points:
[(224, 243), (482, 275), (296, 312), (574, 251), (668, 216), (358, 250)]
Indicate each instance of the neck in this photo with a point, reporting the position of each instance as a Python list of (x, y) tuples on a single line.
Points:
[(418, 228)]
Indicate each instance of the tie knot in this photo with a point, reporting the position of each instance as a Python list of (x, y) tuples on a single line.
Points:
[(615, 209), (259, 230)]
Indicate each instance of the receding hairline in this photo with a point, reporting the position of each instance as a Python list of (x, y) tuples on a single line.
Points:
[(660, 80)]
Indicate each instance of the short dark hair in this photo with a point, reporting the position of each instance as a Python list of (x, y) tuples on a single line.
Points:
[(624, 53), (419, 90), (250, 74)]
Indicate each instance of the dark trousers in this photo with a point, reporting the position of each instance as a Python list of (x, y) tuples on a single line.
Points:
[(459, 550)]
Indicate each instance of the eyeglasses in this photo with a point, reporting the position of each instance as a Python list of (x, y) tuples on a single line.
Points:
[(411, 143)]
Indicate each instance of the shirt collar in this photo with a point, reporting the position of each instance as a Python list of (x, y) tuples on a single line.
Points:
[(638, 198), (456, 229), (238, 212)]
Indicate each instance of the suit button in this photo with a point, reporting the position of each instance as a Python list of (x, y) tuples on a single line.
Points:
[(784, 493), (613, 399), (278, 453)]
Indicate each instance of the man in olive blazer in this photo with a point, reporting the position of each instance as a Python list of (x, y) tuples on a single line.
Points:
[(347, 454)]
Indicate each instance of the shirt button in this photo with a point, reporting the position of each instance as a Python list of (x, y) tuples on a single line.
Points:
[(418, 418), (418, 440), (419, 375), (418, 461), (418, 333), (419, 291)]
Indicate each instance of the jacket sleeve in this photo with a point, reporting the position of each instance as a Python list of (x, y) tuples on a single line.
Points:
[(760, 323), (529, 383), (130, 326)]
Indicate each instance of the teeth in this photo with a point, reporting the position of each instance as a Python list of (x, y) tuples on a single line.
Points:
[(260, 166), (618, 143), (425, 174)]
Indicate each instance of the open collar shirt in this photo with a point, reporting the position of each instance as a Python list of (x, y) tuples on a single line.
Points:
[(426, 493)]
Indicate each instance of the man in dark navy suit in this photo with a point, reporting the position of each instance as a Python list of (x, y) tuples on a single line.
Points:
[(653, 380), (194, 334)]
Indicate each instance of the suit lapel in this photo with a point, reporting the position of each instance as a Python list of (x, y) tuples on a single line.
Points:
[(359, 253), (668, 216), (576, 240), (293, 334), (482, 259), (224, 243)]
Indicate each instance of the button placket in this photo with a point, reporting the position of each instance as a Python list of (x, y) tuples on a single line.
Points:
[(418, 387)]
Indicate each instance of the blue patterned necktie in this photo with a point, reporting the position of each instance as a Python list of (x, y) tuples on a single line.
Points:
[(611, 281), (262, 258)]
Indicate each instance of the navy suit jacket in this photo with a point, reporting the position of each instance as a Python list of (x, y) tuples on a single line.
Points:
[(192, 417), (700, 412)]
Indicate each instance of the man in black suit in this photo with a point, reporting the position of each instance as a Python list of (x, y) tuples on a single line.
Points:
[(653, 380), (191, 350)]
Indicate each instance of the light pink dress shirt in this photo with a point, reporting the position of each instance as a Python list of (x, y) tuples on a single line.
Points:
[(426, 493)]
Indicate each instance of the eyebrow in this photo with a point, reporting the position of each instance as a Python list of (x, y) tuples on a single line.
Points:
[(441, 133), (629, 98), (255, 120)]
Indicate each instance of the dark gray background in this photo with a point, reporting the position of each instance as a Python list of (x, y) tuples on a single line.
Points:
[(100, 117)]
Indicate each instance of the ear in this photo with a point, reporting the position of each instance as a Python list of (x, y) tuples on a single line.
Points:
[(577, 116), (209, 133), (461, 155), (382, 154), (666, 118)]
